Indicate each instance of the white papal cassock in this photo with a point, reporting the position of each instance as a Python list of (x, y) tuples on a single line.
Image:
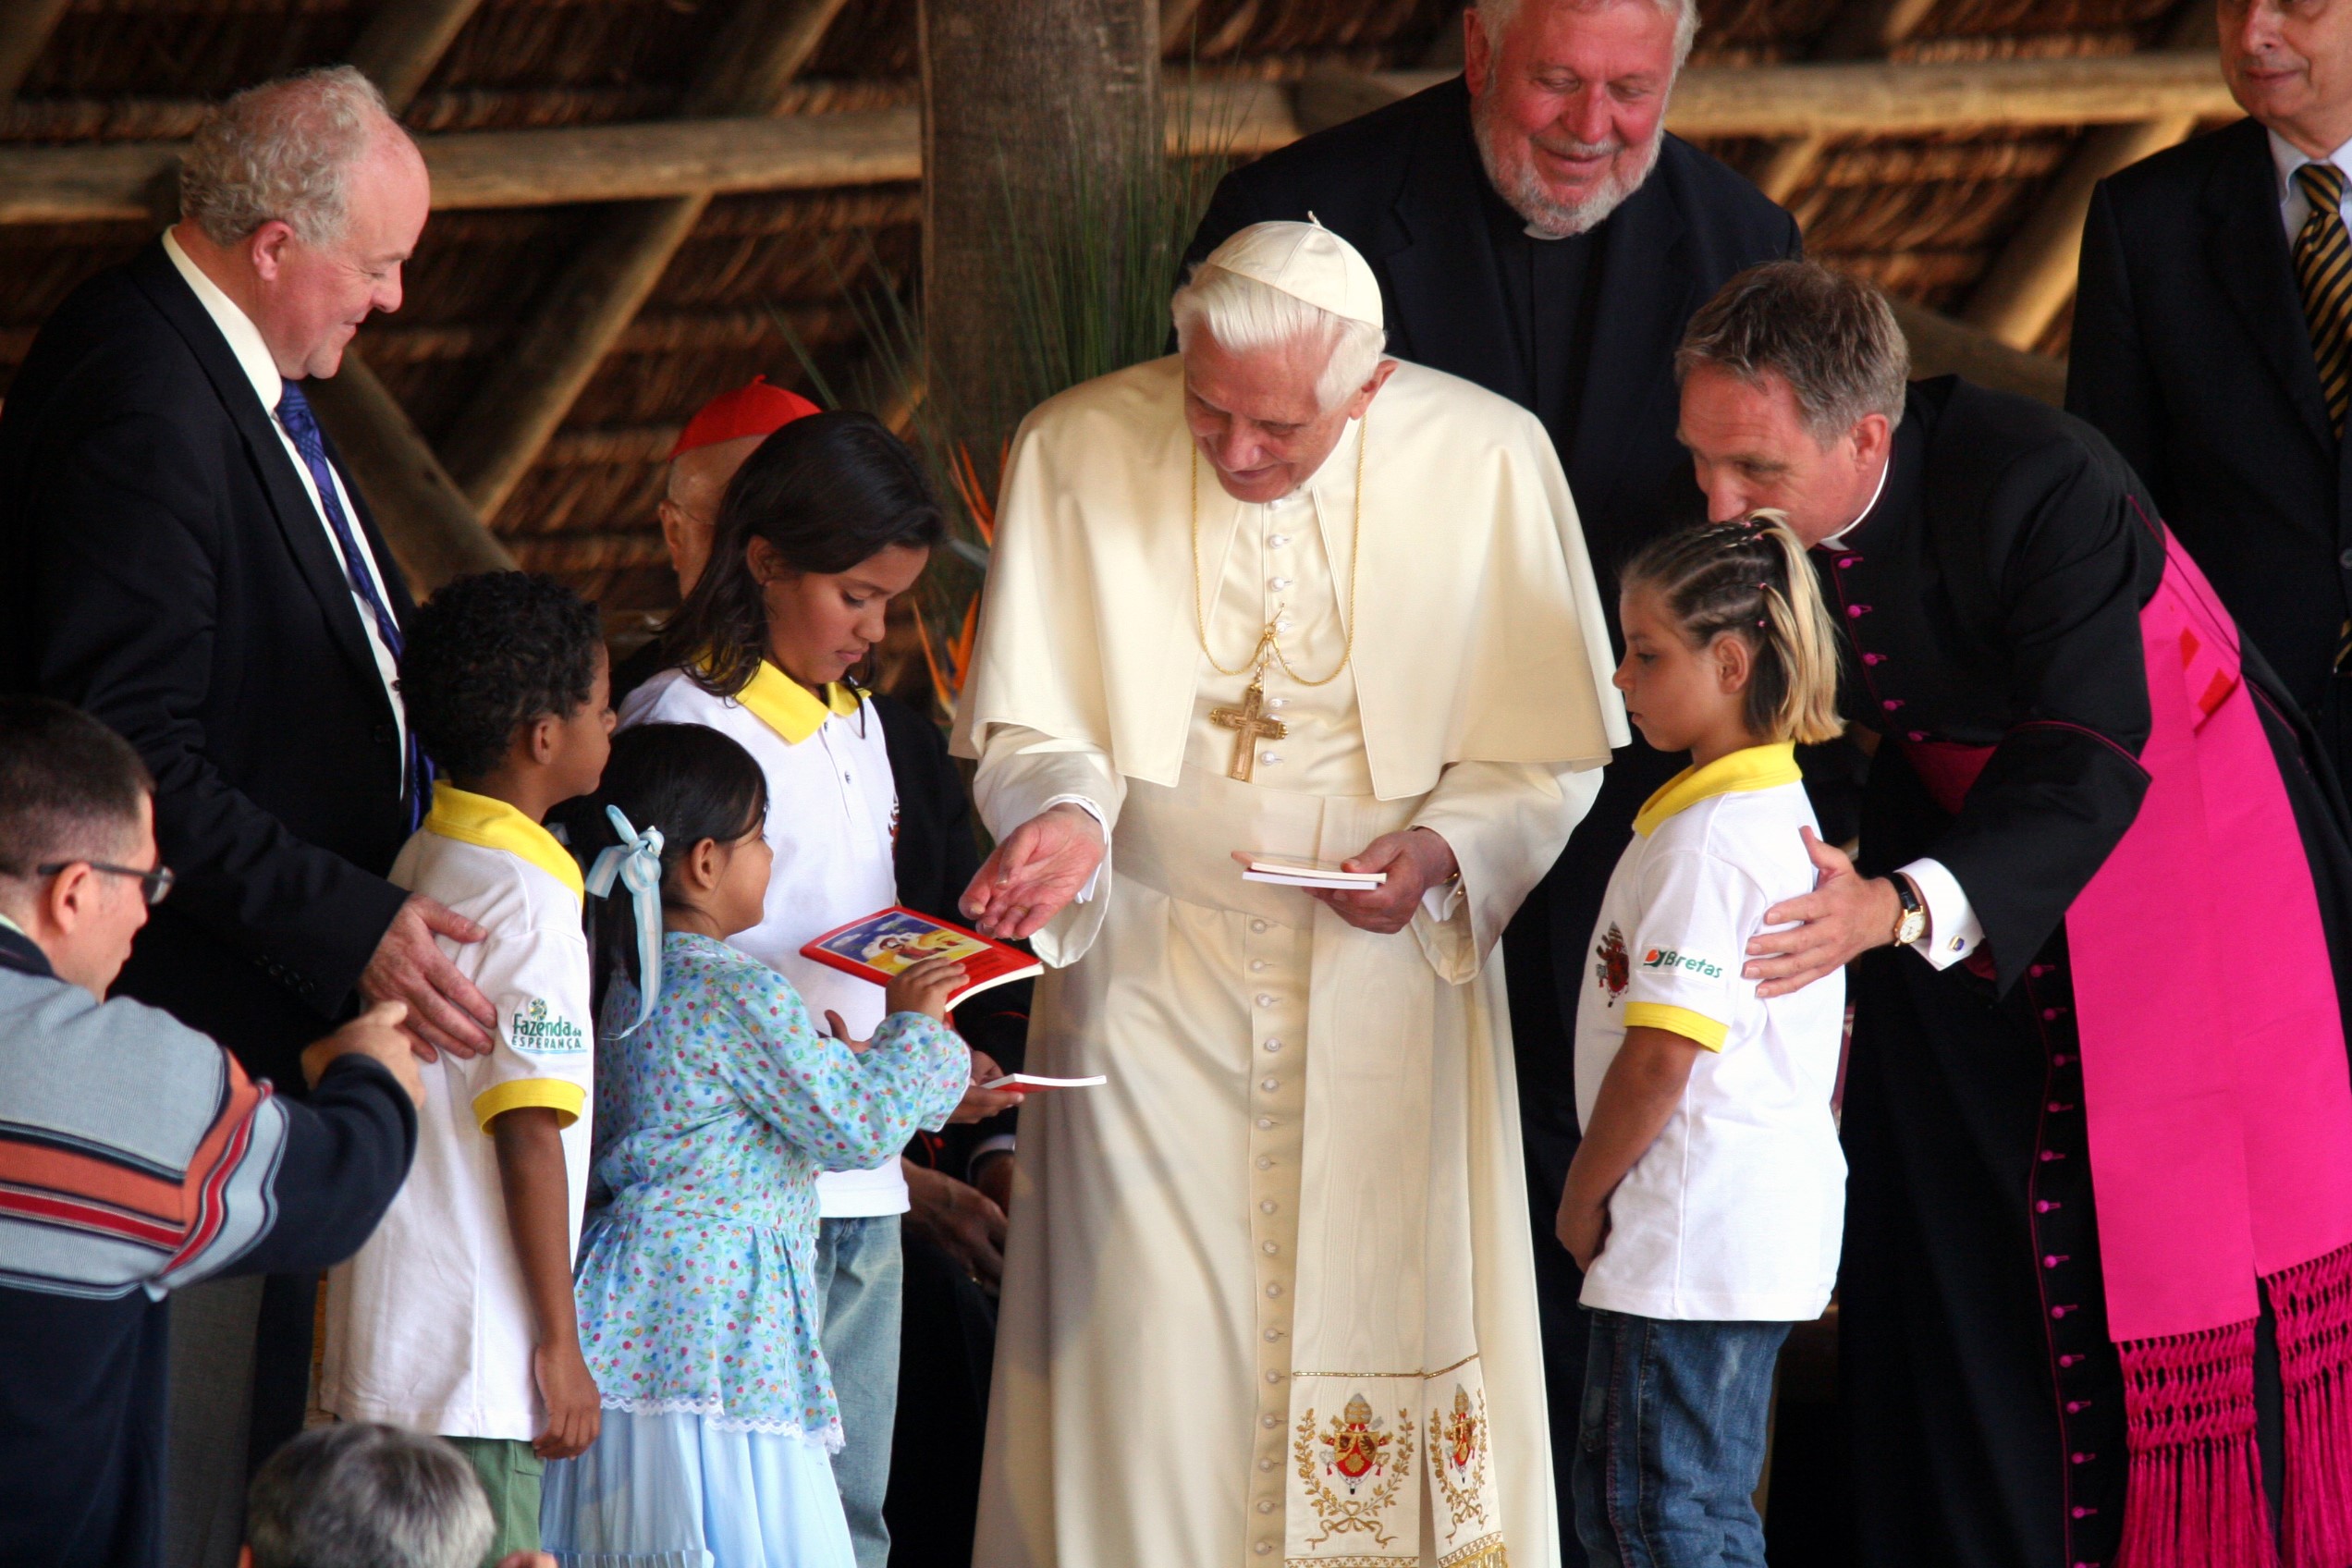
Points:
[(1269, 1295)]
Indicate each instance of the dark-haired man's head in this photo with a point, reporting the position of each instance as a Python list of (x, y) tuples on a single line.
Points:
[(361, 1493), (506, 680), (77, 836)]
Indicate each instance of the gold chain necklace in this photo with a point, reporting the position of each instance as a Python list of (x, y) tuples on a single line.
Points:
[(1269, 643)]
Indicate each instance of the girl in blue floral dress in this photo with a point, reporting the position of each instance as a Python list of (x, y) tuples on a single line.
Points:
[(717, 1102)]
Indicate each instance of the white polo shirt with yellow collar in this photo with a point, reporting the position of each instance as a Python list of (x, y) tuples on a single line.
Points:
[(1737, 1211), (832, 822), (429, 1327)]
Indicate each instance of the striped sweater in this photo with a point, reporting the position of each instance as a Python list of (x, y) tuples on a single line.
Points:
[(136, 1158)]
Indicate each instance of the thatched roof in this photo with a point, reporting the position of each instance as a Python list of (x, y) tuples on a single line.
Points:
[(1927, 216)]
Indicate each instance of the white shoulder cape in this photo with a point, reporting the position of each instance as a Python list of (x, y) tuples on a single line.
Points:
[(1480, 634)]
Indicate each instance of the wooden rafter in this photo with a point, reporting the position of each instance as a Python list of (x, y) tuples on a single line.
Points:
[(1860, 32), (405, 40), (534, 383), (609, 163), (1176, 20), (434, 533), (2033, 278), (25, 27)]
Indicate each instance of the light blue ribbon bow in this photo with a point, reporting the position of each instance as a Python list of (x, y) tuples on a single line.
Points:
[(636, 862)]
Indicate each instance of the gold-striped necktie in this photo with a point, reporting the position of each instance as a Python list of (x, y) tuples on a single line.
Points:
[(2324, 268)]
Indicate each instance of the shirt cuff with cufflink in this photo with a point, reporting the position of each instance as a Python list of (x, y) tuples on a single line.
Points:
[(1953, 931)]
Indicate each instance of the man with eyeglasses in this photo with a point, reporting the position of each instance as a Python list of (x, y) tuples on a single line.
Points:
[(136, 1157)]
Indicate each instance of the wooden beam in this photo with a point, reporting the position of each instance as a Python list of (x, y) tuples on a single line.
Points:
[(1176, 20), (1940, 345), (534, 382), (434, 532), (1325, 98), (25, 27), (1872, 29), (1859, 33), (2033, 278), (764, 49), (1909, 98), (615, 163), (405, 40), (535, 379)]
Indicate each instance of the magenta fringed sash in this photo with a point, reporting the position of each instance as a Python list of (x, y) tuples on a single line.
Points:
[(2220, 1114)]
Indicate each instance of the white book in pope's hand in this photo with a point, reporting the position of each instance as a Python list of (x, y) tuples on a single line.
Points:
[(1309, 874)]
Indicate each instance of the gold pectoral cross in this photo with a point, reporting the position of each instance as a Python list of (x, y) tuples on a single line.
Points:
[(1249, 725)]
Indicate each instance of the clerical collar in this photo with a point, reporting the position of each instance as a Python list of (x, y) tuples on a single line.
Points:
[(1837, 541)]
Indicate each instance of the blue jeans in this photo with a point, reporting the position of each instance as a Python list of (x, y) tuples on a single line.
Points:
[(1670, 1442), (859, 1272)]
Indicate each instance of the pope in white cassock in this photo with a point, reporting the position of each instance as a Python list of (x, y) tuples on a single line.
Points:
[(1268, 1294)]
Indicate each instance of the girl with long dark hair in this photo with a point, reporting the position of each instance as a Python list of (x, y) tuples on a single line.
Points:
[(719, 1099), (826, 523)]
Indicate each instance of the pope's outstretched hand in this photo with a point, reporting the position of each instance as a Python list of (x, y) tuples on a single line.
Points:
[(1036, 871)]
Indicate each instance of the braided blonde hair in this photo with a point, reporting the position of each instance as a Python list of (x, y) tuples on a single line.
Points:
[(1752, 581)]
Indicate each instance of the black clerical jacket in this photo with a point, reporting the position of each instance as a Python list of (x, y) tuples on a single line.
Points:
[(1992, 598), (163, 568), (2190, 353)]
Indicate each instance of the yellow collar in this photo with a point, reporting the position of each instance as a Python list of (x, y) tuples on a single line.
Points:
[(791, 709), (493, 825), (1755, 767)]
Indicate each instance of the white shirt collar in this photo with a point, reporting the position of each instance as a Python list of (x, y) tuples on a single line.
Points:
[(1837, 541), (2286, 157), (244, 338)]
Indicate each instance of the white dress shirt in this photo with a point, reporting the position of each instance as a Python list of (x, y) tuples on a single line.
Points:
[(1952, 930), (254, 357), (2293, 206)]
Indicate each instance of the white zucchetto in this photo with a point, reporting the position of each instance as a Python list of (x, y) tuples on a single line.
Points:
[(1307, 262)]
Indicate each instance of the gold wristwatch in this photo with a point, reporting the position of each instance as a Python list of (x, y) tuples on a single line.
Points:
[(1912, 924)]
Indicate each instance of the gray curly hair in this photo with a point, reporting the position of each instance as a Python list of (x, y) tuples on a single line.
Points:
[(282, 151), (1496, 17)]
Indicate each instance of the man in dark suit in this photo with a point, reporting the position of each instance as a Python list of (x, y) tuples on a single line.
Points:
[(2212, 334), (180, 558), (1535, 230)]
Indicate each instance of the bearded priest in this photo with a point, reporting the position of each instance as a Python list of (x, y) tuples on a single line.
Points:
[(1268, 1294)]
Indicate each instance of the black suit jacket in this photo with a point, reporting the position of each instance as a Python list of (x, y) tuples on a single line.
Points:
[(161, 567), (1405, 187), (2191, 354)]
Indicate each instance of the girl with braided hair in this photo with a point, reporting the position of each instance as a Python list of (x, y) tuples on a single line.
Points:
[(1706, 1202)]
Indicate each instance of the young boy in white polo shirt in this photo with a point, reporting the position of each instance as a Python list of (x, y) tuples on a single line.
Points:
[(457, 1317), (1706, 1204)]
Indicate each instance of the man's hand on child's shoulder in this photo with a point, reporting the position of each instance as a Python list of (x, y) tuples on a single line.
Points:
[(375, 1034)]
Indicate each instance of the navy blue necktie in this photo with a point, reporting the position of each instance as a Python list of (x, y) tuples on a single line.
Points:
[(294, 414)]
